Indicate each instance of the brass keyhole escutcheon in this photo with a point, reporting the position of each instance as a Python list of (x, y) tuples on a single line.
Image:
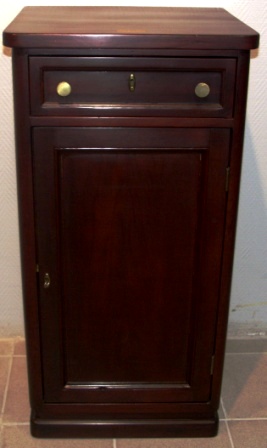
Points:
[(132, 82), (202, 90), (63, 88), (47, 281)]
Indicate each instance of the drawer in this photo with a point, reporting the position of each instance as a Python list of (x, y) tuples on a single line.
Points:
[(132, 86)]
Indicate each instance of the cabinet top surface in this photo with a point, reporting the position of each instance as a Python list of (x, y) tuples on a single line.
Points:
[(132, 27)]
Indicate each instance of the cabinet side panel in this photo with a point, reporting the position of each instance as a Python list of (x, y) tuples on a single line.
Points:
[(27, 224)]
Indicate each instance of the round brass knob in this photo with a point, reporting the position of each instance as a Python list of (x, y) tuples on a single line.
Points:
[(63, 88), (202, 90)]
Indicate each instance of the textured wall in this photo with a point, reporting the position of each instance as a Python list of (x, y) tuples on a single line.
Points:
[(249, 289)]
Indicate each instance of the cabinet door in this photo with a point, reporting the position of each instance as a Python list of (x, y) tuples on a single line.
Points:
[(129, 230)]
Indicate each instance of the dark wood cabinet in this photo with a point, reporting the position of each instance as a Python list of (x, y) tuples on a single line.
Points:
[(129, 144)]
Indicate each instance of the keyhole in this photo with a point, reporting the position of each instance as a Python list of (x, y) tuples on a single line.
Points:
[(46, 280), (132, 82)]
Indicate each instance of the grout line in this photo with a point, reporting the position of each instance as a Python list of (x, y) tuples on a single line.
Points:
[(229, 435), (114, 443), (246, 353), (7, 382), (10, 424), (1, 432), (223, 408), (243, 419)]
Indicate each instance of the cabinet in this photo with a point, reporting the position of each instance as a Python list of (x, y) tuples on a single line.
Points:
[(129, 128)]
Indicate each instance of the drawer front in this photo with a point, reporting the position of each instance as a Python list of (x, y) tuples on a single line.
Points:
[(124, 86)]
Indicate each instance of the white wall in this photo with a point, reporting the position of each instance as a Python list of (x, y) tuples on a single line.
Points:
[(249, 289)]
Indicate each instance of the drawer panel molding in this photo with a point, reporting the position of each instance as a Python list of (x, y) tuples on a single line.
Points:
[(125, 86)]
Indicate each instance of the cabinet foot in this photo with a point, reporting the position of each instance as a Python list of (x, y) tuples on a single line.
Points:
[(173, 428)]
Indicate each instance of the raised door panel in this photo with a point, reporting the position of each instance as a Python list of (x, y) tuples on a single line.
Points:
[(130, 231)]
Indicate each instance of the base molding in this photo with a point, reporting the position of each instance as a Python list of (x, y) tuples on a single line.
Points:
[(174, 428)]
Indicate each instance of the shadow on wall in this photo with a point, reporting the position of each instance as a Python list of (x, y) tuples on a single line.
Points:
[(7, 51), (248, 307)]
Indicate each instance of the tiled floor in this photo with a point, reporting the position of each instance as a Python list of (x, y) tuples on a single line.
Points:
[(243, 412)]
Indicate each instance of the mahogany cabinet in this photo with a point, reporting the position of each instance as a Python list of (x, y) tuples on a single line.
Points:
[(129, 129)]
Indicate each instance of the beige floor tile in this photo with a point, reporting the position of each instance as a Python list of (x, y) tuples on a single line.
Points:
[(17, 404), (244, 389), (19, 437), (19, 346), (248, 434), (4, 369), (221, 441), (6, 347)]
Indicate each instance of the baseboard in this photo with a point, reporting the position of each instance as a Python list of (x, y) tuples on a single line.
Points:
[(174, 428)]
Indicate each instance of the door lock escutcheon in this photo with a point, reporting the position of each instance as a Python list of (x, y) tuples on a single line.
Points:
[(47, 280), (132, 82)]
